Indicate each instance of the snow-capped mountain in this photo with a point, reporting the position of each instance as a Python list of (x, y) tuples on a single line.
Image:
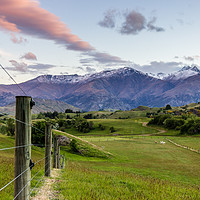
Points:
[(61, 79), (123, 88), (159, 75), (184, 73)]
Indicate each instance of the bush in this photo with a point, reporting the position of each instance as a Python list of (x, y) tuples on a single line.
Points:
[(173, 123), (158, 120), (168, 107), (102, 127), (112, 129), (82, 125), (73, 145), (38, 133), (192, 127)]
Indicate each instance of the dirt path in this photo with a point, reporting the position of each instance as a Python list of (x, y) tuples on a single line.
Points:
[(160, 131), (46, 192)]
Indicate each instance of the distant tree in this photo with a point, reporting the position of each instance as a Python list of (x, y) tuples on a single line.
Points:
[(101, 127), (112, 129), (168, 107), (38, 135), (10, 127), (88, 116), (68, 110)]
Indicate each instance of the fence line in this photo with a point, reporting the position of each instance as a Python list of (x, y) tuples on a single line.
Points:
[(184, 147)]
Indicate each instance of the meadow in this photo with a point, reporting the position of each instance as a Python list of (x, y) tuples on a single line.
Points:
[(137, 166), (140, 169)]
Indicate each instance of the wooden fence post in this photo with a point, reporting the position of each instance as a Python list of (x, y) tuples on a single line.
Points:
[(58, 158), (55, 147), (23, 154), (48, 144), (63, 161)]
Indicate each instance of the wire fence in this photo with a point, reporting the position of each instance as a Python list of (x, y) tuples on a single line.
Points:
[(23, 146)]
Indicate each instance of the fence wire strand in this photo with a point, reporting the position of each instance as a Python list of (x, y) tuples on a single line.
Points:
[(28, 182), (21, 174)]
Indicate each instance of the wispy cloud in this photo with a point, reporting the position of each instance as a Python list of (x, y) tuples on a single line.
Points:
[(102, 58), (156, 67), (27, 69), (151, 26), (20, 67), (191, 58), (29, 56), (109, 19), (16, 40), (188, 58), (134, 22)]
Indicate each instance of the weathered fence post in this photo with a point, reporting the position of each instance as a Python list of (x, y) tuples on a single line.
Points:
[(58, 158), (23, 154), (63, 162), (55, 147), (48, 144)]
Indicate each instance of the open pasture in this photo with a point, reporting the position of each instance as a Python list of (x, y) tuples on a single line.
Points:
[(140, 169)]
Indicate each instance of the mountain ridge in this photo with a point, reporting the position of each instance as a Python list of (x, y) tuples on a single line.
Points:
[(123, 88)]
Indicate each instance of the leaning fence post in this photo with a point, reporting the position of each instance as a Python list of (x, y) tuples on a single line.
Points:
[(23, 154), (48, 144), (55, 147)]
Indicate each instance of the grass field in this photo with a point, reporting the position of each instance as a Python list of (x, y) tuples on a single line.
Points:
[(122, 127), (140, 169)]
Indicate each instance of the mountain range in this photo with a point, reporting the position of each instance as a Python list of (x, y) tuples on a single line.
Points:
[(123, 88)]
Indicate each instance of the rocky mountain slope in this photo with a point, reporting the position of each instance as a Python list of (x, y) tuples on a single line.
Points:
[(124, 89)]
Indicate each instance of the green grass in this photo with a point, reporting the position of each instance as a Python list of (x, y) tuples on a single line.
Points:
[(7, 166), (122, 126), (140, 169)]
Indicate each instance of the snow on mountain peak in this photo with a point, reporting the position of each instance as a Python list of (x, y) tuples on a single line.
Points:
[(184, 73), (78, 78)]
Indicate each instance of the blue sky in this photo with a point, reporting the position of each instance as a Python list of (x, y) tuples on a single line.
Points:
[(67, 37)]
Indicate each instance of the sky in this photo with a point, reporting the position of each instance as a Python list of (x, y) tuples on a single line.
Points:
[(79, 37)]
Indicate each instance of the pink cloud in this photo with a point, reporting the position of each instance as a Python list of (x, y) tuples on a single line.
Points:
[(16, 40), (29, 56), (7, 25), (28, 17)]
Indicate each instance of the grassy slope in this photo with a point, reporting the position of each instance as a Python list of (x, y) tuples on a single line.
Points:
[(140, 169)]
